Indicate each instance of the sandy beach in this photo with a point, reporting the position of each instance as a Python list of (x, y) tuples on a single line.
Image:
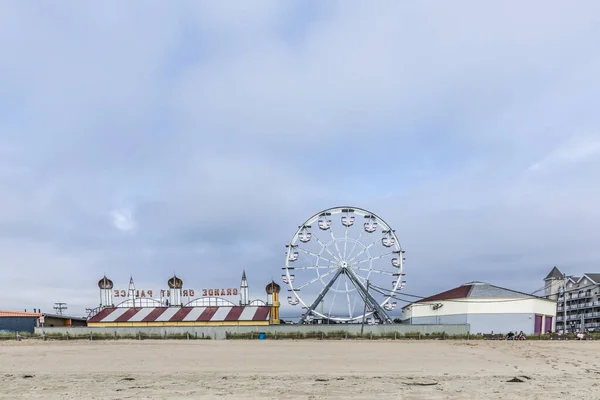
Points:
[(299, 370)]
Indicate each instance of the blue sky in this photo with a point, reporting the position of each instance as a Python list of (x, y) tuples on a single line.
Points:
[(146, 138)]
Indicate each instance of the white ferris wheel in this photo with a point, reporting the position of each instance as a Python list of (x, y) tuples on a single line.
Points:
[(342, 264)]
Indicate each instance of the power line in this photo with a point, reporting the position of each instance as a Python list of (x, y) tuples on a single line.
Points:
[(59, 307), (385, 292)]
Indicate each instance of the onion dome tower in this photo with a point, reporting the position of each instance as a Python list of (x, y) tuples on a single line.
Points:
[(273, 290), (175, 286), (244, 295), (106, 296)]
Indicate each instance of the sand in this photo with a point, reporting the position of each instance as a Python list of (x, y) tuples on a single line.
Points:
[(299, 370)]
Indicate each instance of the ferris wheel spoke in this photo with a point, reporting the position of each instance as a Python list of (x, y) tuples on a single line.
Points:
[(364, 280), (374, 258), (355, 243), (313, 267), (337, 248), (315, 279), (337, 288), (316, 255), (348, 296), (363, 250), (327, 250), (375, 270), (345, 241)]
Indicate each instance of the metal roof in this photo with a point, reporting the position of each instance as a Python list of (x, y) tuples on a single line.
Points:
[(555, 273), (61, 316), (594, 277), (487, 291), (478, 290)]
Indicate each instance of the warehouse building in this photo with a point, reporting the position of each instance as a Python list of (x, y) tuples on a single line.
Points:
[(486, 308), (18, 321), (23, 321)]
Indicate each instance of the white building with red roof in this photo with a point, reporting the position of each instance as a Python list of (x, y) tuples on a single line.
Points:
[(486, 308)]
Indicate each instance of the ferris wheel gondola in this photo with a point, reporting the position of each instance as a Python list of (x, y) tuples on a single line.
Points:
[(329, 270)]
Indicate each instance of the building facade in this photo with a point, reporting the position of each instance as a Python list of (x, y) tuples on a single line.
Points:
[(17, 321), (486, 308), (578, 300), (138, 309)]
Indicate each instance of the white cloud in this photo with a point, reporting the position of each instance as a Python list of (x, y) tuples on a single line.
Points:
[(575, 150), (123, 219)]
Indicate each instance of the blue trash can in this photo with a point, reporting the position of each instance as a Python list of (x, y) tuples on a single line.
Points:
[(262, 336)]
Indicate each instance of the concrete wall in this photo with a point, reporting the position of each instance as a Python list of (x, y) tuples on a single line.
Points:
[(458, 319), (219, 332), (17, 324)]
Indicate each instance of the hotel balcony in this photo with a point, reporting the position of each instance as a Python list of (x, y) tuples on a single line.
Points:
[(592, 315), (589, 304)]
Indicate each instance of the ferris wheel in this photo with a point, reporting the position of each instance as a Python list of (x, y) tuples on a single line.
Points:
[(342, 264)]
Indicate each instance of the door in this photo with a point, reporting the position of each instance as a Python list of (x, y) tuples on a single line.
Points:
[(538, 324), (548, 324)]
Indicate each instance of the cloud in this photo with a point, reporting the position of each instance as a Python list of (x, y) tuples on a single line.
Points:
[(123, 220), (213, 131), (574, 151)]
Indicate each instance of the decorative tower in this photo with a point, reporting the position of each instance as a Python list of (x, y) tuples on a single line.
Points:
[(175, 286), (131, 291), (553, 283), (244, 295), (273, 300), (106, 296)]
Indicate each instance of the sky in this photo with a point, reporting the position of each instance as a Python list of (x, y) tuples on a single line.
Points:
[(146, 138)]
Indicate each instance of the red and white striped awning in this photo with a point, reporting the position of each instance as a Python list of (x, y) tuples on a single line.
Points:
[(182, 314)]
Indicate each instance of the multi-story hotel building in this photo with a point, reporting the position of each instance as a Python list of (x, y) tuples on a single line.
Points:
[(578, 300)]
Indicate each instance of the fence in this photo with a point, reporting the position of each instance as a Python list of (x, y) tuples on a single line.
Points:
[(225, 332)]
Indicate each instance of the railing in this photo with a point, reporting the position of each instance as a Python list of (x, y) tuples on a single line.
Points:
[(94, 312)]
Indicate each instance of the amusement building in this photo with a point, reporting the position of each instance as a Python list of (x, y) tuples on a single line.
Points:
[(181, 306)]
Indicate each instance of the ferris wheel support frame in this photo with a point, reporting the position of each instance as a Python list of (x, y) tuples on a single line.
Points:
[(378, 311), (320, 296)]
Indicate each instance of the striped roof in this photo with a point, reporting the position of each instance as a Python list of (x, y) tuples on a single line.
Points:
[(183, 314)]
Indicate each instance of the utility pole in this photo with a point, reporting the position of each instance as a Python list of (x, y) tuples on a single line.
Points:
[(565, 304), (59, 307), (362, 326)]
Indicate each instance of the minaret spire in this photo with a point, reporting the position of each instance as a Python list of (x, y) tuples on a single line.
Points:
[(131, 288), (244, 290)]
